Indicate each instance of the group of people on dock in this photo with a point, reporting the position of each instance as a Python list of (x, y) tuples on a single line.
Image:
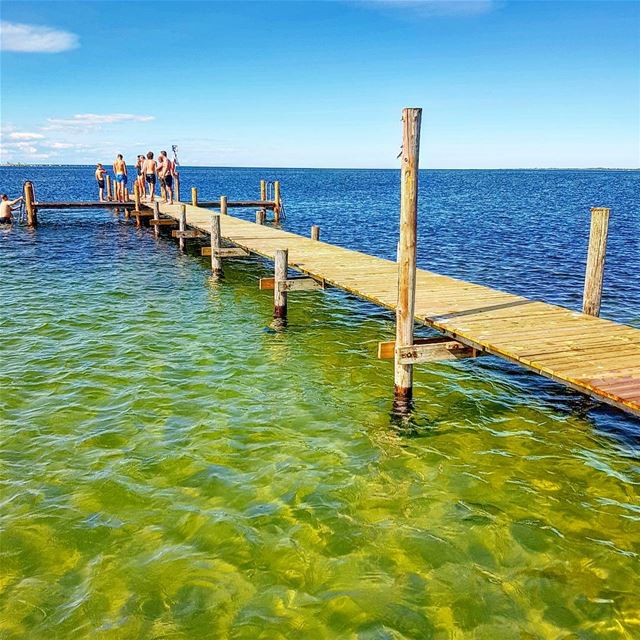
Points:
[(149, 171)]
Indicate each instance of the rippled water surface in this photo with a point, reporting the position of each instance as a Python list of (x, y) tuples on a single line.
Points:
[(171, 468)]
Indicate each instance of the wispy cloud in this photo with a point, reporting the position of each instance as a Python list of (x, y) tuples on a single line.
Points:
[(440, 7), (24, 135), (85, 120), (33, 38)]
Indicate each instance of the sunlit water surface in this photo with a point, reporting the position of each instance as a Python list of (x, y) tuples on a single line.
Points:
[(171, 468)]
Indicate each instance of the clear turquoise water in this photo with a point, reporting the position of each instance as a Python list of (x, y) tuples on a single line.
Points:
[(173, 469)]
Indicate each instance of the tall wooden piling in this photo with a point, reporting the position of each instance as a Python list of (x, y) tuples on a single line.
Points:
[(194, 196), (260, 216), (403, 379), (594, 274), (280, 278), (277, 207), (263, 197), (216, 260), (156, 217), (109, 191), (223, 205), (315, 232), (182, 226), (136, 196), (176, 187), (32, 213)]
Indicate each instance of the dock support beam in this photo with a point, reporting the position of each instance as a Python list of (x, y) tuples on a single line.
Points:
[(182, 226), (260, 216), (315, 232), (194, 196), (594, 274), (32, 213), (176, 188), (136, 196), (109, 191), (403, 378), (223, 206), (216, 260), (156, 217), (277, 208), (279, 291)]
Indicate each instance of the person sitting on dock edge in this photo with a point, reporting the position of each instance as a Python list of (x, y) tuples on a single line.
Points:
[(100, 174), (149, 170), (165, 173), (7, 207), (120, 171)]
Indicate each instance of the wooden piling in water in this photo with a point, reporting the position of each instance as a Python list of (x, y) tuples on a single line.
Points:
[(32, 213), (403, 377), (223, 206), (156, 217), (216, 260), (281, 267), (315, 232), (594, 273), (176, 187), (260, 216), (109, 191), (277, 208), (136, 196), (263, 190), (194, 196), (182, 226)]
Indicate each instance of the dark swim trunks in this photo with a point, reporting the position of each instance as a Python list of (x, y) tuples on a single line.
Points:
[(151, 178), (167, 181), (101, 184)]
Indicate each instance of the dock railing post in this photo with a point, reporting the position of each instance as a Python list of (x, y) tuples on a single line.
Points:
[(594, 273), (315, 232), (176, 182), (279, 293), (32, 214), (136, 195), (223, 205), (216, 260), (156, 217), (277, 206), (109, 191), (194, 196), (263, 197), (260, 216), (403, 378), (182, 226)]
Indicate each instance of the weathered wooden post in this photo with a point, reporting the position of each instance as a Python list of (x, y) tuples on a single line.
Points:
[(403, 379), (32, 213), (136, 196), (279, 290), (277, 208), (109, 191), (156, 217), (194, 196), (315, 232), (127, 212), (263, 190), (216, 260), (182, 226), (260, 216), (594, 274), (223, 205), (176, 189)]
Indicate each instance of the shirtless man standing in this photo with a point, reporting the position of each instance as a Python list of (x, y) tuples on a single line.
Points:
[(140, 177), (6, 208), (165, 172), (149, 170), (120, 171), (100, 173)]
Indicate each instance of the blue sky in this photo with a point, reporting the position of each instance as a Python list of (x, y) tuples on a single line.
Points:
[(322, 84)]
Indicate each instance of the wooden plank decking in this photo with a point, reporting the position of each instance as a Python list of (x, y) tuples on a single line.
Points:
[(592, 355)]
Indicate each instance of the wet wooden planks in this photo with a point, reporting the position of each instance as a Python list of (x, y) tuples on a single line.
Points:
[(595, 356)]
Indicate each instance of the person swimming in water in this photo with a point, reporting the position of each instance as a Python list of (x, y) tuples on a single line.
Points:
[(7, 207), (100, 174), (120, 171), (149, 170)]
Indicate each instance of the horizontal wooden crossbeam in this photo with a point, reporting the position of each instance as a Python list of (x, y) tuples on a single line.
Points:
[(189, 233), (164, 222), (427, 350), (226, 252), (292, 284)]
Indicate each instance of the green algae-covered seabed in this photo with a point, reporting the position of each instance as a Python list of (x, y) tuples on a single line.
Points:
[(171, 469)]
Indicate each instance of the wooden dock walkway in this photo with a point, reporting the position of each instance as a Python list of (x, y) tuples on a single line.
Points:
[(594, 356)]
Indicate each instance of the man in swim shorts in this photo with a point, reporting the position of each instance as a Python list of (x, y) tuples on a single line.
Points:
[(7, 207), (120, 171), (100, 173), (149, 171), (165, 172)]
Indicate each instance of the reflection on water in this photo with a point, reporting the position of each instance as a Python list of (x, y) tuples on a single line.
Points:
[(172, 468)]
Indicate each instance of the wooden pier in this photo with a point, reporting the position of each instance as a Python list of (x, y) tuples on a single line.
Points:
[(597, 357)]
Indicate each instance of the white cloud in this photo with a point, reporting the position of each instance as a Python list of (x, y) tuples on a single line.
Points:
[(32, 38), (25, 135), (95, 120)]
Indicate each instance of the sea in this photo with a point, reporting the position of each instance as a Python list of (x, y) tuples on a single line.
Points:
[(173, 468)]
